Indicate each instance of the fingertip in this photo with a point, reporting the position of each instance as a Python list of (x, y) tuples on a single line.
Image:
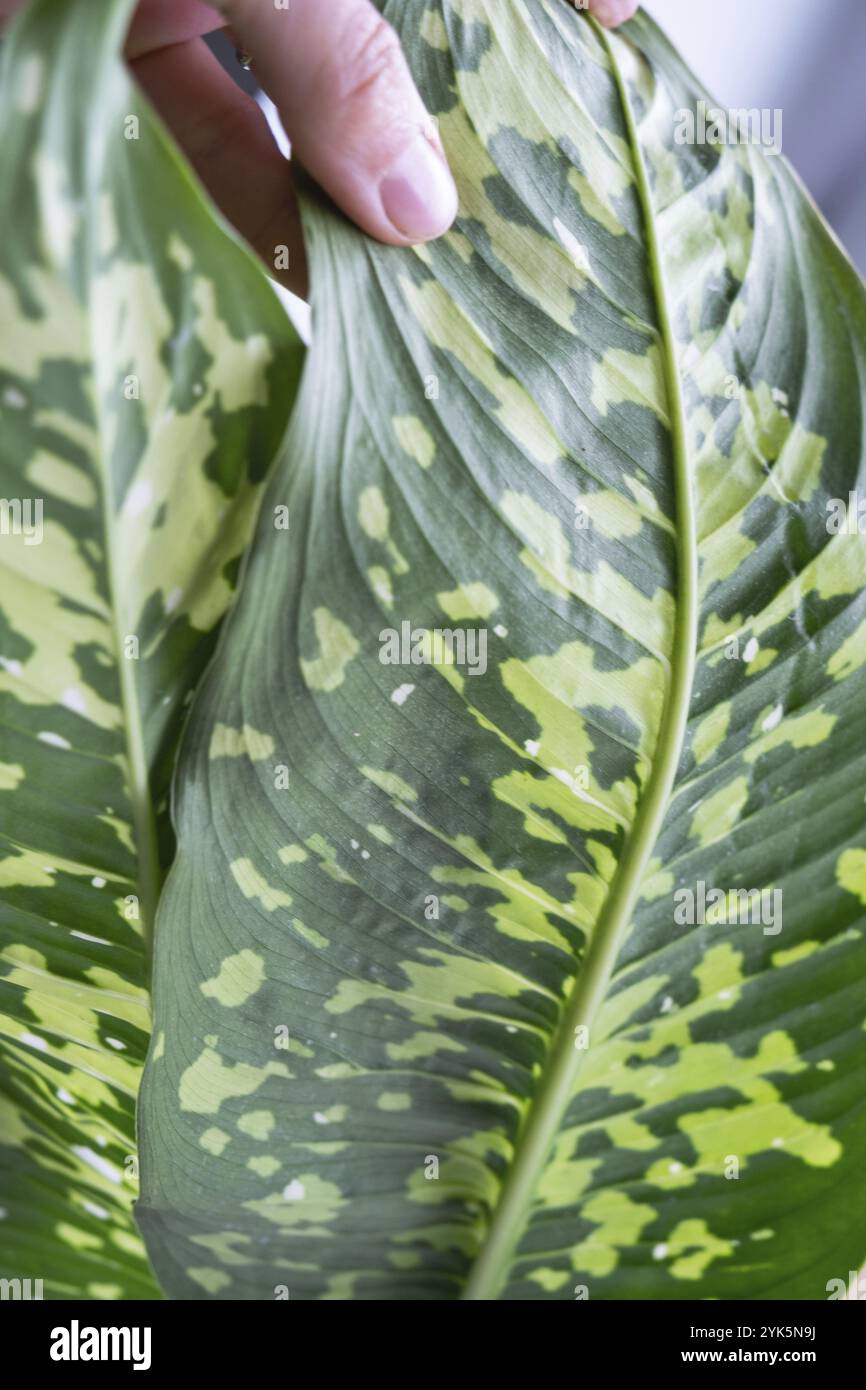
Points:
[(611, 13), (418, 193)]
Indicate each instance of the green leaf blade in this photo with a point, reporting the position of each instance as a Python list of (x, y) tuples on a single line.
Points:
[(140, 411), (554, 804)]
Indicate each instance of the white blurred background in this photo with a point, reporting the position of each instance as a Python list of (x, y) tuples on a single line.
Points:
[(807, 57)]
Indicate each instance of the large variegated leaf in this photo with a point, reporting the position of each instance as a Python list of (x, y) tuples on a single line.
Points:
[(140, 352), (429, 1021)]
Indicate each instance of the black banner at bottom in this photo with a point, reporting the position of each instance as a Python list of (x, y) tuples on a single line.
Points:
[(66, 1339)]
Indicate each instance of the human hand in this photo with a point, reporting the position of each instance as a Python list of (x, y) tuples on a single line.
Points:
[(337, 75)]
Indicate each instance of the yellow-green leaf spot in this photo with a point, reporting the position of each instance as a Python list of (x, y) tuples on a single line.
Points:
[(380, 583), (238, 743), (415, 439), (433, 31), (658, 881), (609, 513), (306, 1199), (719, 813), (375, 520), (63, 480), (764, 1122), (422, 1045), (373, 514), (258, 1124), (392, 784), (252, 885), (711, 733), (548, 557), (619, 1222), (694, 1247), (468, 601), (549, 1279), (394, 1100), (719, 972), (435, 987), (74, 1236), (851, 873), (10, 776), (381, 833), (223, 1245), (404, 1259), (631, 378), (795, 953), (334, 1115), (801, 731), (239, 978), (310, 935), (850, 656), (292, 854), (208, 1081), (24, 871), (214, 1141), (327, 857), (337, 647), (264, 1165), (764, 659), (211, 1280), (457, 334), (237, 367)]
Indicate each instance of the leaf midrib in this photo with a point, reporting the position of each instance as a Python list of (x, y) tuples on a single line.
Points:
[(144, 829), (556, 1087)]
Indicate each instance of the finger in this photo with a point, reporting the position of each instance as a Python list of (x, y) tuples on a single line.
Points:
[(158, 23), (613, 12), (338, 77), (225, 136)]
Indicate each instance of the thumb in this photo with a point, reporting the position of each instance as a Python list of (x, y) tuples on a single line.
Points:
[(339, 79), (613, 12)]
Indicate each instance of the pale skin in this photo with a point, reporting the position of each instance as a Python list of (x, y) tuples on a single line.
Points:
[(338, 78)]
